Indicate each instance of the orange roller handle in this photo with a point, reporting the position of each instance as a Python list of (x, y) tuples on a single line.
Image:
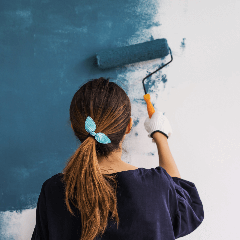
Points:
[(150, 107)]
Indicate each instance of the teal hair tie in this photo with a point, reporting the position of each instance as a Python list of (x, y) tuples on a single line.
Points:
[(90, 127)]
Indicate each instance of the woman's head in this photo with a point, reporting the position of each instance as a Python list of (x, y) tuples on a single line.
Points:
[(86, 186), (110, 108)]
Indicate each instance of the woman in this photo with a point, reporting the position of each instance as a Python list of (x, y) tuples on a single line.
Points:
[(149, 204)]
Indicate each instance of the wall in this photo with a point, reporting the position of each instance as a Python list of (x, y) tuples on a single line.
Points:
[(47, 51)]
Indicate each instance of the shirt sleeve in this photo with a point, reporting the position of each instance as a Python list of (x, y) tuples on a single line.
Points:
[(41, 228), (185, 206)]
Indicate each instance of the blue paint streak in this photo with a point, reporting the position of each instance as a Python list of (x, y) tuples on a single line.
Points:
[(136, 122), (164, 78), (183, 44), (47, 51)]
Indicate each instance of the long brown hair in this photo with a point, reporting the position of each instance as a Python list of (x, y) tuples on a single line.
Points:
[(86, 186)]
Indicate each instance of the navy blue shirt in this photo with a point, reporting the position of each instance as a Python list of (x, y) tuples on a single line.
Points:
[(152, 205)]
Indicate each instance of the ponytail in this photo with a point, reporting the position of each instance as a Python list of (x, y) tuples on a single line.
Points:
[(93, 193)]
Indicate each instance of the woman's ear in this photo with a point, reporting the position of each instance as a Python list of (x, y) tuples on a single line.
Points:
[(129, 126)]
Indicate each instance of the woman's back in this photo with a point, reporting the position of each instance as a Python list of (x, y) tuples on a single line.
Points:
[(151, 205)]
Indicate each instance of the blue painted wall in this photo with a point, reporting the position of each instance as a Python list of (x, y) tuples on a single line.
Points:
[(47, 51)]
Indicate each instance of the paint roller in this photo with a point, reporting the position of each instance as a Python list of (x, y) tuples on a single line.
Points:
[(121, 56)]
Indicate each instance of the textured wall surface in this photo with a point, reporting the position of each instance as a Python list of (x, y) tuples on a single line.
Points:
[(47, 50)]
